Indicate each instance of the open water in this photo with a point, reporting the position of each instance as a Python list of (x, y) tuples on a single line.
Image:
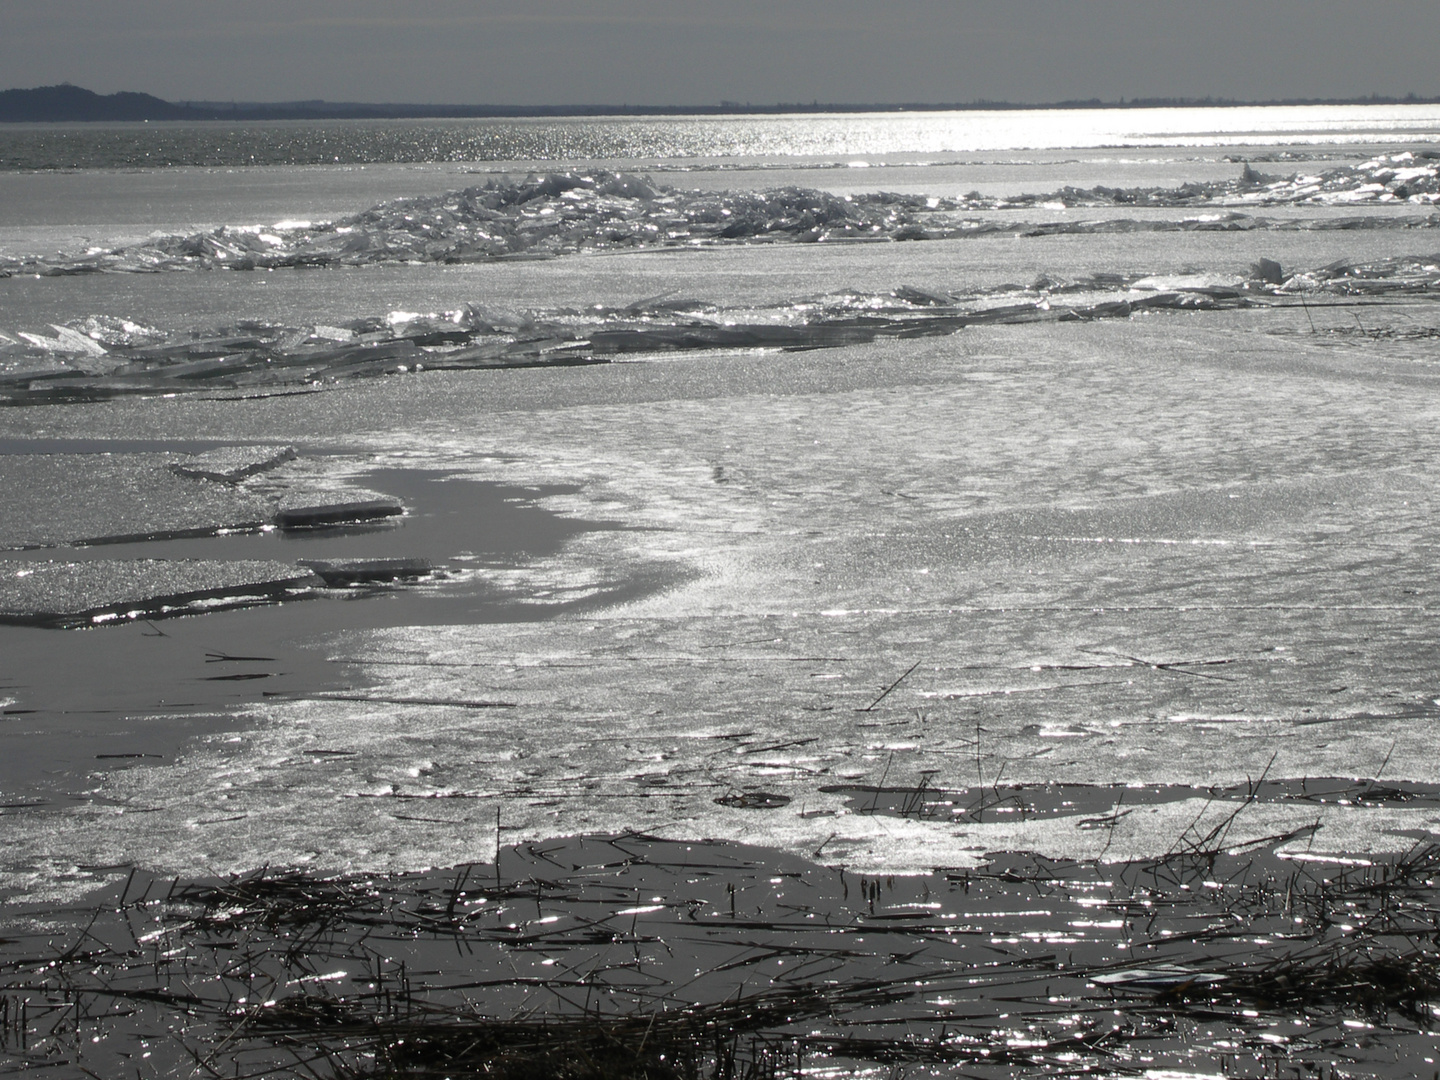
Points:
[(686, 140), (78, 187)]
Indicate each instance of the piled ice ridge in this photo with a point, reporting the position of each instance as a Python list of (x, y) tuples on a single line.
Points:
[(566, 213), (544, 216), (98, 358), (1393, 178)]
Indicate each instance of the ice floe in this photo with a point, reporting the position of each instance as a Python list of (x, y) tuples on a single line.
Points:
[(61, 593)]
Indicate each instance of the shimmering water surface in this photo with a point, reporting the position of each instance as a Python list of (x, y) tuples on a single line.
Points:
[(51, 146), (67, 186)]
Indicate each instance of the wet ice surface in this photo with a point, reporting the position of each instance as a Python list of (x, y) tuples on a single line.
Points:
[(59, 499), (1217, 568)]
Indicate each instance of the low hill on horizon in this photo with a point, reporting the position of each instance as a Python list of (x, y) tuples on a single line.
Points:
[(65, 102)]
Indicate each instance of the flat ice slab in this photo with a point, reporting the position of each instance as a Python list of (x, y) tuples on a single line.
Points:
[(54, 499), (67, 594), (359, 571)]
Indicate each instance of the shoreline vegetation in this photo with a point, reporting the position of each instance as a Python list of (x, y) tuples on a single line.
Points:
[(73, 104), (632, 957)]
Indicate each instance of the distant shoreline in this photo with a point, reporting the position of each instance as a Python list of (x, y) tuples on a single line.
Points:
[(73, 104)]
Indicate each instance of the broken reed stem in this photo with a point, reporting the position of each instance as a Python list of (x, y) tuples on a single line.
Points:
[(979, 768), (875, 798), (1308, 319), (886, 692)]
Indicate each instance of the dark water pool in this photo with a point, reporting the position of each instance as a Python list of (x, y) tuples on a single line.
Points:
[(74, 701)]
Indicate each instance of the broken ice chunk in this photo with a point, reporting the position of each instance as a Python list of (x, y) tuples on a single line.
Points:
[(754, 800), (1161, 976), (94, 592), (333, 333), (346, 513), (1269, 271), (65, 340), (361, 571)]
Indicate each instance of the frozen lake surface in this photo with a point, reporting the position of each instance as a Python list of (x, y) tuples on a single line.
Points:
[(884, 608)]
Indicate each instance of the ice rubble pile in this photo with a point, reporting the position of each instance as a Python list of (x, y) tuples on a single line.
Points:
[(97, 359), (1406, 177), (1409, 274), (1393, 178), (563, 213), (542, 217), (101, 357)]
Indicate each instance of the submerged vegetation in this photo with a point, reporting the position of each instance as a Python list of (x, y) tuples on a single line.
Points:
[(637, 958)]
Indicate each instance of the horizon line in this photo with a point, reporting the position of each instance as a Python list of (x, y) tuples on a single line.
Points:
[(321, 108), (815, 105)]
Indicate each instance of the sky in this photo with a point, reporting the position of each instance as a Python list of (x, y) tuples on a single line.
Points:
[(695, 52)]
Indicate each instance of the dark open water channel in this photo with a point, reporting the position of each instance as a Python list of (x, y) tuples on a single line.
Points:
[(119, 695)]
